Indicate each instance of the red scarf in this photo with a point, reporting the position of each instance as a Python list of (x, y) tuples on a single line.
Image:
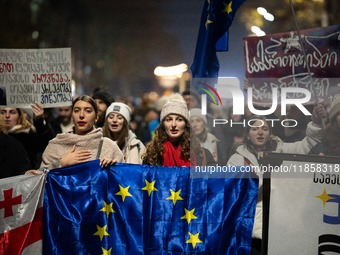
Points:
[(171, 156)]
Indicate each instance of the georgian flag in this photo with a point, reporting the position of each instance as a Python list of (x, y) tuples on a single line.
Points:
[(21, 209)]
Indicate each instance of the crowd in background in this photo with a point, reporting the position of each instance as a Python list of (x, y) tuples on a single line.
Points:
[(140, 117), (159, 130)]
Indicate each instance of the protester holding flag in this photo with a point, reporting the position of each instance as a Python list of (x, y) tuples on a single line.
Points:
[(33, 138), (83, 141), (116, 128), (259, 137), (172, 142), (13, 157)]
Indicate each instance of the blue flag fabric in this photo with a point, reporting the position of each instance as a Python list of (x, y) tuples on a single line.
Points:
[(217, 16), (139, 209)]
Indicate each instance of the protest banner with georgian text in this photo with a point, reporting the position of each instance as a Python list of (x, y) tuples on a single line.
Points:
[(35, 75)]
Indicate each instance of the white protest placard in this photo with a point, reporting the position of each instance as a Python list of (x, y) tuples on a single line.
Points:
[(35, 75), (304, 213)]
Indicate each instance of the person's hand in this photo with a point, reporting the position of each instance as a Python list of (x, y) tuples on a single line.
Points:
[(318, 112), (36, 172), (37, 110), (246, 85), (321, 154), (214, 154), (73, 157), (107, 162)]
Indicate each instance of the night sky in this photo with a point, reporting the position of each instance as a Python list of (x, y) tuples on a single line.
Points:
[(185, 16)]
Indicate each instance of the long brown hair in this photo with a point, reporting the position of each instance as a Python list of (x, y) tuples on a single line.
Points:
[(25, 124), (3, 130), (122, 135), (87, 99), (155, 149), (270, 145)]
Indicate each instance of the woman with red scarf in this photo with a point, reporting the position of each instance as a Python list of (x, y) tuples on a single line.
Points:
[(171, 144)]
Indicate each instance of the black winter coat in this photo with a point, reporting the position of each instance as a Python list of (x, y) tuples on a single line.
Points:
[(13, 157), (35, 142)]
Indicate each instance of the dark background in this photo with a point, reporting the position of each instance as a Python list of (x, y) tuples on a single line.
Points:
[(118, 44)]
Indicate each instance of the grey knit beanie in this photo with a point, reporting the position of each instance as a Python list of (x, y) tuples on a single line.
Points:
[(197, 112), (175, 105), (335, 108)]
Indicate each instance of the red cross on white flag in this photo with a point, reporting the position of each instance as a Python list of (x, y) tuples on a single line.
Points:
[(21, 201), (9, 202)]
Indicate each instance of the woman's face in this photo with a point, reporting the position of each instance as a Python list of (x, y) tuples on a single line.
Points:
[(84, 117), (197, 124), (259, 134), (115, 122), (10, 117), (174, 127)]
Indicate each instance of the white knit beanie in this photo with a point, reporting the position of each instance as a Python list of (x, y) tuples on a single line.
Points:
[(175, 105), (120, 108), (335, 108), (197, 112)]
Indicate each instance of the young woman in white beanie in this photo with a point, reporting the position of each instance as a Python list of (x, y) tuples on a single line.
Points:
[(198, 123), (116, 128), (172, 142)]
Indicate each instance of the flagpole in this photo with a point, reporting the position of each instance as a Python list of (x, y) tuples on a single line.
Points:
[(305, 57)]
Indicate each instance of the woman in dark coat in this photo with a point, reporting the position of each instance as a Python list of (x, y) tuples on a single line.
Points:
[(13, 157), (33, 138)]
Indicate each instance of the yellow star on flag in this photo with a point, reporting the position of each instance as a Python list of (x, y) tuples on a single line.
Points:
[(208, 22), (174, 196), (194, 239), (227, 7), (107, 208), (150, 187), (124, 192), (208, 5), (101, 232), (189, 215), (324, 197), (105, 252)]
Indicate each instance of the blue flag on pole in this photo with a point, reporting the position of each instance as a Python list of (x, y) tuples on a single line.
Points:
[(217, 16), (139, 209)]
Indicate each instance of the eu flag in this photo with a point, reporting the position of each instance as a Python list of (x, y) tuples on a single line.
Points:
[(139, 209), (217, 16)]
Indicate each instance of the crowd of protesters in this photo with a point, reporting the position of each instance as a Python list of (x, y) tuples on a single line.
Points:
[(138, 128), (168, 131)]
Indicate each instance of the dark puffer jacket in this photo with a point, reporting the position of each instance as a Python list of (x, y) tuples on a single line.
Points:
[(13, 157)]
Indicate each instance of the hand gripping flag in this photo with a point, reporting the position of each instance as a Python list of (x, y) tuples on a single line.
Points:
[(139, 209), (21, 200), (217, 16)]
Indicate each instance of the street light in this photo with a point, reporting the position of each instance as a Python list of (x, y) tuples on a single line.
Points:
[(169, 76), (258, 31), (262, 11)]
